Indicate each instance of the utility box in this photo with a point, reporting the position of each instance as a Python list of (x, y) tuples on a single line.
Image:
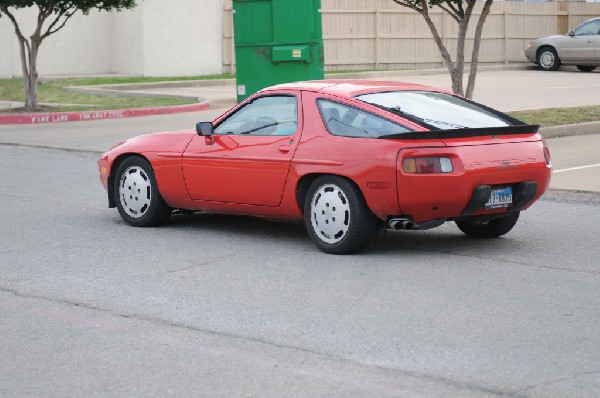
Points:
[(276, 41)]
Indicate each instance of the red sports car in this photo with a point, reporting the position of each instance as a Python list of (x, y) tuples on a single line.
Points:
[(347, 157)]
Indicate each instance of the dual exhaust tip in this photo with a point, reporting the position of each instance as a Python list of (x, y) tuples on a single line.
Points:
[(401, 223)]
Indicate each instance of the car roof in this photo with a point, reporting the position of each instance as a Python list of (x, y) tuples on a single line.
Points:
[(351, 88)]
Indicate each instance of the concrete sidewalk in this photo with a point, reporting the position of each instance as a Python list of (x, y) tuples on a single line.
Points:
[(504, 88), (512, 89)]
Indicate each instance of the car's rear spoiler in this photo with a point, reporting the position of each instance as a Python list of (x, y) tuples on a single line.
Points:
[(464, 133)]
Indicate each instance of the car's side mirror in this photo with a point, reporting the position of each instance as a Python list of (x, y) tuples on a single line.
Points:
[(571, 33), (205, 128)]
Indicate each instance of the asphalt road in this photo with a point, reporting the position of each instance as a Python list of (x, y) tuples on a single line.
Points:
[(227, 306)]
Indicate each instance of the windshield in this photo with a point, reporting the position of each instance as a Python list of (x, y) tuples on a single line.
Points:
[(438, 110)]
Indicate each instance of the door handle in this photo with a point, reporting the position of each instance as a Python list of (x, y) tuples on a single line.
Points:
[(284, 148)]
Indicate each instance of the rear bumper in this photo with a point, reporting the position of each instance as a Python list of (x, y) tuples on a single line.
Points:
[(478, 169), (523, 194), (530, 54)]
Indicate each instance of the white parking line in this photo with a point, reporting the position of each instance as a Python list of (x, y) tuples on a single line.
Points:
[(569, 87), (577, 168)]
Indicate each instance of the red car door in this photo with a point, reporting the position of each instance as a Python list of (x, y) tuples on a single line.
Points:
[(247, 160)]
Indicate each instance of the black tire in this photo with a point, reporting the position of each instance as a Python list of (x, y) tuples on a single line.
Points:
[(136, 194), (585, 68), (337, 217), (547, 59), (489, 229)]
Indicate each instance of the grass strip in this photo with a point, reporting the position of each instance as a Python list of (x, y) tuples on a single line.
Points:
[(559, 116), (53, 92)]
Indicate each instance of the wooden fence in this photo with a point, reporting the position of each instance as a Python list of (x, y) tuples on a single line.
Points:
[(379, 34)]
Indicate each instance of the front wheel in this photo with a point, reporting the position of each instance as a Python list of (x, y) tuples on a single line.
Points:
[(136, 194), (547, 59), (585, 68), (337, 217), (489, 229)]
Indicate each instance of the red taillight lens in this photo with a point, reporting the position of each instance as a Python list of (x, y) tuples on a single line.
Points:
[(547, 156), (427, 165)]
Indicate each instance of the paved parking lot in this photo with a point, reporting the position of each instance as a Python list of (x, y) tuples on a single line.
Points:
[(234, 306), (214, 306)]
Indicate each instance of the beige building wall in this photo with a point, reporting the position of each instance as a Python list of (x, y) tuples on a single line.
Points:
[(157, 38), (82, 45)]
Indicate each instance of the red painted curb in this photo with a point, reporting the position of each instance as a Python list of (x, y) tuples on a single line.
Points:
[(60, 117)]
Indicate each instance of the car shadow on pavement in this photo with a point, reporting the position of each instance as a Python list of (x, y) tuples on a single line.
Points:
[(444, 240), (237, 224)]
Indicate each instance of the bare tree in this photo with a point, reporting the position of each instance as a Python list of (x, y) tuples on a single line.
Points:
[(461, 12), (52, 17)]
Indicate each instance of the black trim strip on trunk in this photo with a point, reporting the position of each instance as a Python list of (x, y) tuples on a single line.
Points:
[(466, 132)]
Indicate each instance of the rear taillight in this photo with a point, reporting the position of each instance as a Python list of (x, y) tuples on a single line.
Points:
[(427, 165), (547, 156)]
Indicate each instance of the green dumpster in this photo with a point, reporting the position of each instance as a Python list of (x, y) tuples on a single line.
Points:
[(276, 41)]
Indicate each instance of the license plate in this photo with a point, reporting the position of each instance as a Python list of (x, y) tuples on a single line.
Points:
[(501, 197)]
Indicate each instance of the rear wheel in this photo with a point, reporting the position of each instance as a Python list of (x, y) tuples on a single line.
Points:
[(585, 68), (547, 59), (136, 194), (489, 229), (337, 217)]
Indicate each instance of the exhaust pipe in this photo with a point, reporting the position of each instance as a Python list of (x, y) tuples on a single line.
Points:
[(401, 223), (407, 223)]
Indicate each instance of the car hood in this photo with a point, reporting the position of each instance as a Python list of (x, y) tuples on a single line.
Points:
[(171, 141), (550, 39)]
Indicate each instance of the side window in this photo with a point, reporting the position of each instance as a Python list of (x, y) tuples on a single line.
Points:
[(272, 115), (347, 121), (588, 29)]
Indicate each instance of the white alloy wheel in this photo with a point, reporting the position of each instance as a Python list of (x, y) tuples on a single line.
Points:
[(135, 191), (330, 213), (337, 217)]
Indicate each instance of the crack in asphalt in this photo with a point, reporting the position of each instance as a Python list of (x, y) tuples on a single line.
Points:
[(554, 381), (72, 150), (460, 385), (203, 263), (517, 263)]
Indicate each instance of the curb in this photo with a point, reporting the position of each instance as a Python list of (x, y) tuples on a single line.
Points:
[(566, 130), (61, 117)]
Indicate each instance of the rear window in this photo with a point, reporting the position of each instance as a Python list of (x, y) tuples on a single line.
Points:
[(438, 110)]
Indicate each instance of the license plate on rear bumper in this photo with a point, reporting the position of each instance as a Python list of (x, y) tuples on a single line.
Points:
[(500, 197)]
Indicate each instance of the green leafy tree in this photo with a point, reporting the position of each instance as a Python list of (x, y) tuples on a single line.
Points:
[(461, 12), (52, 17)]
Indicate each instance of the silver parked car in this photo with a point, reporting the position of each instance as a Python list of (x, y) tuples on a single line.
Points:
[(580, 47)]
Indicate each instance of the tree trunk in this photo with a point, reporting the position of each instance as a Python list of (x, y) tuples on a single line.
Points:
[(457, 77), (456, 81), (28, 52), (476, 44), (31, 81)]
